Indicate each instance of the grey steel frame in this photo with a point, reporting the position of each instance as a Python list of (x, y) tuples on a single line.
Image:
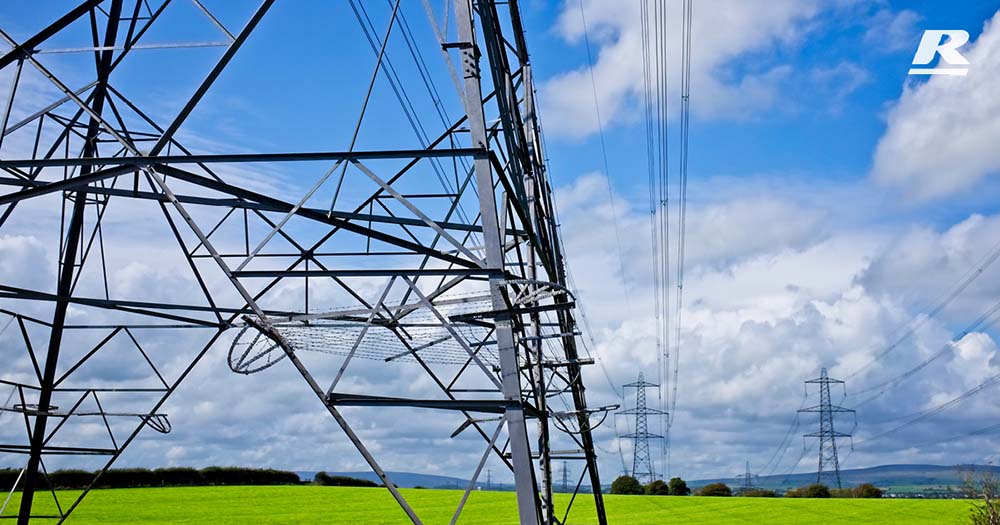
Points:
[(515, 223)]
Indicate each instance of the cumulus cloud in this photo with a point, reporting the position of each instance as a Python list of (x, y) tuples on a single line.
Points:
[(942, 134), (940, 261), (770, 298), (839, 81), (731, 30), (890, 31), (779, 285)]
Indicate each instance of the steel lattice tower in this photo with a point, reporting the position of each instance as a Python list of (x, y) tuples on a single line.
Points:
[(642, 465), (829, 463), (746, 480), (565, 478), (437, 252)]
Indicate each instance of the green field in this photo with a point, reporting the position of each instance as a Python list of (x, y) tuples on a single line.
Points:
[(312, 504)]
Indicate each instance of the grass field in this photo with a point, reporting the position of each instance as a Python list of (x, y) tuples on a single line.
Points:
[(311, 504)]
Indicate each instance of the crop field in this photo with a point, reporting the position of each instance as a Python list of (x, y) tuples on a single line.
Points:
[(312, 504)]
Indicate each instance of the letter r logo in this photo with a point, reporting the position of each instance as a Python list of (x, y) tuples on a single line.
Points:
[(944, 42)]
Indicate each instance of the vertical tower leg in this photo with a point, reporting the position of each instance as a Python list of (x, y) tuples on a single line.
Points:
[(66, 273), (524, 478)]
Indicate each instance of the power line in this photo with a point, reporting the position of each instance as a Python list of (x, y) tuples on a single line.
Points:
[(978, 432), (981, 323), (399, 90), (7, 325), (655, 97), (791, 470), (364, 104), (915, 325), (920, 416), (682, 213), (587, 329), (604, 157), (783, 448), (786, 440)]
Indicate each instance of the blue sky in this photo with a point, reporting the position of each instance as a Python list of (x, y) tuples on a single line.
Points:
[(815, 232), (814, 132)]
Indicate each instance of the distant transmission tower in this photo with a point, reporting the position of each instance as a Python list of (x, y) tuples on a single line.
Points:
[(565, 478), (642, 466), (829, 464), (746, 480)]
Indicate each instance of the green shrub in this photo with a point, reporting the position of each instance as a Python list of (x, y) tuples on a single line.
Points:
[(816, 490), (179, 476), (70, 479), (163, 477), (679, 487), (758, 493), (7, 477), (657, 488), (124, 478), (864, 490), (842, 493), (322, 478), (626, 485), (248, 476), (867, 490), (715, 489)]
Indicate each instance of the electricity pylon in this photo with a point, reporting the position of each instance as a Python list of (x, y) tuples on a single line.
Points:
[(437, 252), (642, 466), (746, 480), (829, 463)]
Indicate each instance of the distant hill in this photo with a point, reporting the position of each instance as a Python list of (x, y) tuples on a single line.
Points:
[(410, 480), (897, 478)]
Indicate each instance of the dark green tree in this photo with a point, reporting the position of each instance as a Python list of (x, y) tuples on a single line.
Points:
[(816, 490), (758, 493), (715, 489), (867, 490), (679, 487), (322, 478), (626, 485), (657, 488)]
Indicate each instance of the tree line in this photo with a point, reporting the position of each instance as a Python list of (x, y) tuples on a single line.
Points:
[(161, 477), (678, 487)]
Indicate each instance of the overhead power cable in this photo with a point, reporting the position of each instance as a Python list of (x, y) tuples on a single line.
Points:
[(791, 470), (399, 90), (604, 157), (586, 327), (685, 120), (364, 105), (786, 440), (921, 416), (654, 46), (983, 322), (989, 429), (946, 300)]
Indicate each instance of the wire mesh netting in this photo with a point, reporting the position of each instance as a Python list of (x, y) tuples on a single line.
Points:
[(395, 333)]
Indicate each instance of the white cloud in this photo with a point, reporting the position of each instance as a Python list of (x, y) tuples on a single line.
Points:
[(726, 31), (770, 298), (778, 286), (840, 82), (892, 31), (942, 134), (940, 261)]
